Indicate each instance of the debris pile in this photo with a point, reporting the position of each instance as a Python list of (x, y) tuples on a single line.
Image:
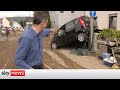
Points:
[(82, 52)]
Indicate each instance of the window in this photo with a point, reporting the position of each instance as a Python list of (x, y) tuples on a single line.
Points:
[(76, 21), (69, 26), (113, 21), (72, 11), (63, 27), (61, 11), (61, 31)]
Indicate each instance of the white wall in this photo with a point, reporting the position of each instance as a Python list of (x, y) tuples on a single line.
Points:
[(103, 18), (5, 23), (68, 16), (62, 18), (118, 20), (15, 24)]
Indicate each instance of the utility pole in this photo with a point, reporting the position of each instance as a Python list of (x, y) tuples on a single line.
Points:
[(92, 14), (91, 33)]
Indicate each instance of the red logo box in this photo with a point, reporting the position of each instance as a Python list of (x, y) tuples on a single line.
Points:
[(17, 72)]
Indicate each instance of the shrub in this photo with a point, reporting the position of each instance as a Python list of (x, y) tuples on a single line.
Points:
[(109, 34), (49, 23)]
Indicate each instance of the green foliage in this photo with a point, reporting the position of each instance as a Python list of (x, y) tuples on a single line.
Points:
[(0, 28), (23, 23), (109, 34), (11, 23), (49, 23)]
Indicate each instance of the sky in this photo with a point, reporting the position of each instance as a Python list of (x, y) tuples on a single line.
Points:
[(15, 13)]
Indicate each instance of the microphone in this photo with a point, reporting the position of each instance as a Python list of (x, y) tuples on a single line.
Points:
[(38, 37)]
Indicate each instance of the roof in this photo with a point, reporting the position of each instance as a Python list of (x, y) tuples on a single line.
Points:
[(18, 19)]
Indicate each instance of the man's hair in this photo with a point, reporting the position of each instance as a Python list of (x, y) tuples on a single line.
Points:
[(39, 16)]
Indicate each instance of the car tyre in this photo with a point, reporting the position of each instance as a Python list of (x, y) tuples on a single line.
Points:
[(54, 46), (81, 37)]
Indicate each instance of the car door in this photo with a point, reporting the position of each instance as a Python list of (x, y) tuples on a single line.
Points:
[(70, 31)]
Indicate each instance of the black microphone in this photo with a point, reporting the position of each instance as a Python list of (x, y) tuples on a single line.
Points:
[(38, 37)]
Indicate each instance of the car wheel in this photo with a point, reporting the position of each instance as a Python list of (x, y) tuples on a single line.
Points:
[(54, 46), (81, 37)]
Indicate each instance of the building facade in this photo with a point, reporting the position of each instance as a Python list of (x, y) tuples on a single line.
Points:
[(104, 19), (5, 23), (59, 18), (107, 19)]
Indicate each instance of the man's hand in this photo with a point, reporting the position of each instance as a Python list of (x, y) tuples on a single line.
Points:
[(53, 30), (31, 68)]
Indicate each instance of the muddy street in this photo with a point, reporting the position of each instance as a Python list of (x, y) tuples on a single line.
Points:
[(56, 60), (52, 58)]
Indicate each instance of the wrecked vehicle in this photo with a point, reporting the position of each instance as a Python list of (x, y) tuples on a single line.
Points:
[(75, 30)]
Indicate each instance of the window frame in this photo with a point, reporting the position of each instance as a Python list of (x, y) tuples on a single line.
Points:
[(111, 21)]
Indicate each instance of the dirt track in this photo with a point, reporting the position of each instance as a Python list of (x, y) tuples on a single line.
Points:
[(7, 52), (8, 49)]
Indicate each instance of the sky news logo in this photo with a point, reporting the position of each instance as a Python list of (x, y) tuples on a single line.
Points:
[(13, 73)]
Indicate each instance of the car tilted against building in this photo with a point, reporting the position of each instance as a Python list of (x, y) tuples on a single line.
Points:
[(75, 30)]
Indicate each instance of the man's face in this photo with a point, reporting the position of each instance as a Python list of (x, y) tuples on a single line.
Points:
[(44, 23)]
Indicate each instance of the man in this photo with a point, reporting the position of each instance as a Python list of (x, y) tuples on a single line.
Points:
[(29, 52), (7, 32)]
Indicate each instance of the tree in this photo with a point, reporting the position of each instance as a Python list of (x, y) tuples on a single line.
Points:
[(23, 23), (49, 20), (49, 23), (10, 22), (47, 12)]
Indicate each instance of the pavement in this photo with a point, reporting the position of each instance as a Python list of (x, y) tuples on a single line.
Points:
[(88, 62)]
